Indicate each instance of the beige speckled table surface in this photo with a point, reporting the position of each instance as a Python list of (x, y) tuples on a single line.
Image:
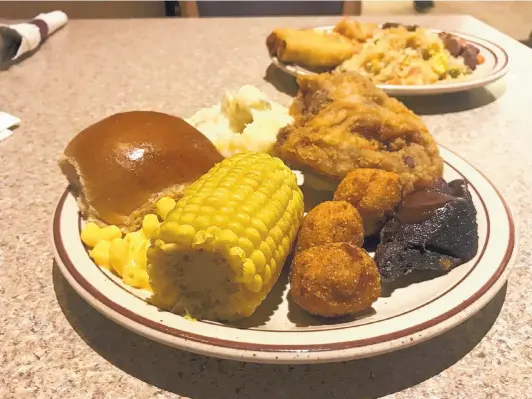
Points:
[(54, 345)]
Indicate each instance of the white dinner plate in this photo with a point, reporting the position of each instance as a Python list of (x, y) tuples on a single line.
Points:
[(495, 66), (280, 332)]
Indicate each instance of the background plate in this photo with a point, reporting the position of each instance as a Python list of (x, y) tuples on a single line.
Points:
[(496, 65), (280, 332)]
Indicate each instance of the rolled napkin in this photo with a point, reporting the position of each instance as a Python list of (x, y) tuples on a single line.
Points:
[(18, 39)]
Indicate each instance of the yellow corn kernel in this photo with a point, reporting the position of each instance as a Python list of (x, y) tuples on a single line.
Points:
[(138, 255), (253, 235), (90, 234), (136, 277), (273, 267), (267, 274), (134, 236), (164, 206), (243, 218), (248, 271), (434, 48), (149, 224), (246, 244), (255, 285), (265, 249), (235, 258), (259, 260), (109, 233), (247, 310), (189, 317), (228, 238), (100, 253), (119, 255), (203, 239), (439, 63)]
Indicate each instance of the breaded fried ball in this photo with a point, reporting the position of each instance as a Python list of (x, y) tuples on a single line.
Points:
[(334, 280), (330, 222), (374, 193)]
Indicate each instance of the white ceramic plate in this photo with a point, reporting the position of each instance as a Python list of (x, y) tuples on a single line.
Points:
[(280, 332), (495, 66)]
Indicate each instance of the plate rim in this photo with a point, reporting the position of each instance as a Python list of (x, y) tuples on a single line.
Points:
[(450, 87), (278, 353)]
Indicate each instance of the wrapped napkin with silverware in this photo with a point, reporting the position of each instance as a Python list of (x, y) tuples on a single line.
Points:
[(19, 39)]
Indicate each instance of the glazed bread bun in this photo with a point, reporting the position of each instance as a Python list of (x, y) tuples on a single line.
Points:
[(119, 167)]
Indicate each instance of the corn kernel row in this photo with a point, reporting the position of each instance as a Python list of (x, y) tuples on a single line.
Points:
[(125, 256)]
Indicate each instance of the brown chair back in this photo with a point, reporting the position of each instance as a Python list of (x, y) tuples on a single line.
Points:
[(267, 8)]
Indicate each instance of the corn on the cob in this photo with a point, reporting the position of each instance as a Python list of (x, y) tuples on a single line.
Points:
[(221, 249)]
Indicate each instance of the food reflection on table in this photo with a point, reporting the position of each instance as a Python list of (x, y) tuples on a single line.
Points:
[(391, 53), (206, 226)]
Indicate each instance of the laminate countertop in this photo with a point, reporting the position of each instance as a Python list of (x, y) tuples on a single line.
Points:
[(54, 345)]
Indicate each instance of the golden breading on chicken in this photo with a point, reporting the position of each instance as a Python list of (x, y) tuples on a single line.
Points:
[(374, 193), (343, 122), (356, 30), (334, 280), (331, 222)]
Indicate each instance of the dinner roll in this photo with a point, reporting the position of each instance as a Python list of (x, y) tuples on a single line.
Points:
[(119, 167)]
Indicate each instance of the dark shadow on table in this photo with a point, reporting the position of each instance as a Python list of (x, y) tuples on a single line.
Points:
[(4, 66), (282, 81), (197, 376), (453, 102)]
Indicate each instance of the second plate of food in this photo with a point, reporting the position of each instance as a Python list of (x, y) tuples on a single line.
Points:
[(401, 60), (409, 311)]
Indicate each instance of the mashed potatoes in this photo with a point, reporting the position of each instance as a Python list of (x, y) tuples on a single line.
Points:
[(245, 120)]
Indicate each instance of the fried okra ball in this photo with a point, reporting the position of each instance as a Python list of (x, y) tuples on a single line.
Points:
[(374, 193), (334, 280), (330, 222)]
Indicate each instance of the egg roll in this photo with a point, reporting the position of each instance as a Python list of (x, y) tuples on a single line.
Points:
[(309, 48)]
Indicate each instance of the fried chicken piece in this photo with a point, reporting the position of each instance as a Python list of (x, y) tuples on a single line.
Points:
[(331, 222), (334, 280), (374, 193), (356, 30), (343, 122)]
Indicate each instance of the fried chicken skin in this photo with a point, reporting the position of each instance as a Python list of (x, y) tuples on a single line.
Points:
[(344, 122), (356, 30), (374, 193), (331, 222), (334, 280)]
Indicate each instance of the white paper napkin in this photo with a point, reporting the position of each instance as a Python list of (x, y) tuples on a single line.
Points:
[(7, 121)]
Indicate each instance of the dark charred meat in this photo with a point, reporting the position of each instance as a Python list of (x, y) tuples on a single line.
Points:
[(432, 229), (452, 43), (389, 25), (470, 54), (460, 48)]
